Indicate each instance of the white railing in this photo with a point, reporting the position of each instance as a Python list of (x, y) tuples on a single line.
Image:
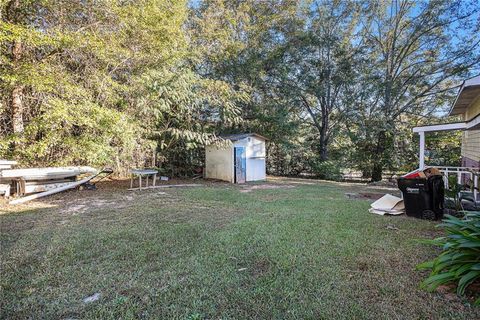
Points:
[(462, 172)]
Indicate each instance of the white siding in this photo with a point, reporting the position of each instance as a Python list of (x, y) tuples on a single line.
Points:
[(255, 154), (256, 169), (471, 144), (219, 163), (471, 138), (256, 148)]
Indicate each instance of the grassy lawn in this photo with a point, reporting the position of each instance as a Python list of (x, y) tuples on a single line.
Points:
[(299, 250)]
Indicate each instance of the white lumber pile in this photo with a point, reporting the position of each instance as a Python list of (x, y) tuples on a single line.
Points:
[(7, 164), (5, 190), (53, 191), (46, 173), (388, 205)]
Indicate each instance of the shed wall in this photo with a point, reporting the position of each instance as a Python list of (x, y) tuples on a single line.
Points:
[(219, 163), (255, 156)]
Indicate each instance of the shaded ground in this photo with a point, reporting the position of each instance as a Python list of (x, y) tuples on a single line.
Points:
[(289, 248)]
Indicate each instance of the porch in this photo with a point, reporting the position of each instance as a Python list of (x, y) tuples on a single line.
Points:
[(464, 175)]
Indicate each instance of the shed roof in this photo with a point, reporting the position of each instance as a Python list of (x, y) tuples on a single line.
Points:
[(469, 91), (240, 136)]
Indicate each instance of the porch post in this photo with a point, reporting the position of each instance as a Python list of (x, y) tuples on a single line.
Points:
[(422, 150)]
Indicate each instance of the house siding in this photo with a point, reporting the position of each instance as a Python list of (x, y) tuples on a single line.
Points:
[(466, 162), (473, 110), (471, 138), (471, 145)]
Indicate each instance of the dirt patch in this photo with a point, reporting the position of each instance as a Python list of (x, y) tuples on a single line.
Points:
[(111, 193), (364, 195), (363, 264), (79, 208), (383, 183), (248, 188), (84, 205), (260, 268)]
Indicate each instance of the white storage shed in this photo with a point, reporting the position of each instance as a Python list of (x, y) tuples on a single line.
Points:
[(243, 161)]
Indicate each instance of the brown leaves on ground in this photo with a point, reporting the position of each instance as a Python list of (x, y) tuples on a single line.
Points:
[(250, 188)]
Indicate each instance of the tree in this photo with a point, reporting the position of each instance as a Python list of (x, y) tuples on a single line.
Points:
[(309, 61), (416, 51), (103, 83), (150, 82), (13, 15), (70, 73)]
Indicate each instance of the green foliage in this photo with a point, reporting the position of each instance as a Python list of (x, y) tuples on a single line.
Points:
[(286, 157), (459, 261), (74, 134), (150, 82), (78, 105), (326, 81), (327, 170), (444, 148), (453, 192), (115, 87)]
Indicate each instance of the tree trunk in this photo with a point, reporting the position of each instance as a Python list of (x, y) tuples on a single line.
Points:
[(321, 127), (323, 145), (323, 130), (377, 169), (16, 102), (366, 173), (16, 107)]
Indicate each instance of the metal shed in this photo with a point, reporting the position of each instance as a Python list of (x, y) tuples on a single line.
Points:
[(241, 162)]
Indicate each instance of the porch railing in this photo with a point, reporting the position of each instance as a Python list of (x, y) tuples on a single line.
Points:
[(462, 173)]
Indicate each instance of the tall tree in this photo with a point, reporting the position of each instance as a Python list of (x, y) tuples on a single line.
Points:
[(238, 41), (416, 49), (13, 14), (317, 64)]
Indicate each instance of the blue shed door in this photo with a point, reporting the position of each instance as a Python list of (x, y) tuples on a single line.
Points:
[(240, 165)]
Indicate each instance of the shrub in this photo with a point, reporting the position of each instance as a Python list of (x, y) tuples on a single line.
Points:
[(459, 261), (327, 170)]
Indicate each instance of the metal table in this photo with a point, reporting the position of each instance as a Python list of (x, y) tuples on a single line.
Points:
[(142, 172)]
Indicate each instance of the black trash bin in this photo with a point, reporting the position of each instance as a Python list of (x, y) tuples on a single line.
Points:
[(423, 197)]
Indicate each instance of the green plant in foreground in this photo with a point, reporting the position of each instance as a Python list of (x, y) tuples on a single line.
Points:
[(453, 192), (460, 260)]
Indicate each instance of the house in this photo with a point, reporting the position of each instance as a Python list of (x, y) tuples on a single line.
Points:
[(242, 161), (466, 105)]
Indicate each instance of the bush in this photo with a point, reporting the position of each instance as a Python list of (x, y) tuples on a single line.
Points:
[(327, 170), (459, 262)]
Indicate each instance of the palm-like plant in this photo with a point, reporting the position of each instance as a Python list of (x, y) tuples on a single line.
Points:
[(460, 260)]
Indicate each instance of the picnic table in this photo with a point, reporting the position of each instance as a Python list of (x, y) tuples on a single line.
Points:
[(142, 173)]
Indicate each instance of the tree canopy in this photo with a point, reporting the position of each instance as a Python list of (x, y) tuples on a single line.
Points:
[(333, 84)]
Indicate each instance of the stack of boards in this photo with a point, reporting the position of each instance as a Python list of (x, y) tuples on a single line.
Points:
[(388, 205), (34, 180), (5, 183), (40, 181)]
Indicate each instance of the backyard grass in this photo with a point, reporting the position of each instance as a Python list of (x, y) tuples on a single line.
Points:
[(287, 250)]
